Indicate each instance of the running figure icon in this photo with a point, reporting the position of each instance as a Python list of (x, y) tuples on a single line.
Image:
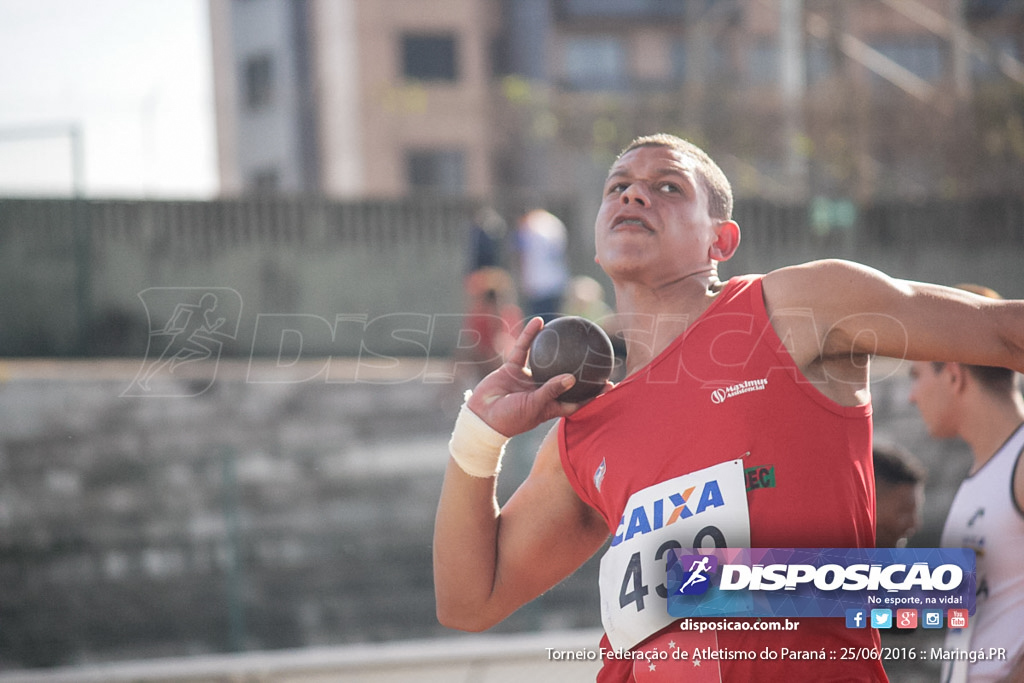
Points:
[(698, 573), (187, 325)]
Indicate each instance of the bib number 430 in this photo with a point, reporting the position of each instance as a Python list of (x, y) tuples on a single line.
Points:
[(633, 589)]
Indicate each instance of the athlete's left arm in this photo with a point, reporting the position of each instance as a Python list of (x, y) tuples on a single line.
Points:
[(858, 310)]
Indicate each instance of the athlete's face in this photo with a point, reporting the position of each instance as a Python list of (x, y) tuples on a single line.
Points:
[(932, 391), (653, 222)]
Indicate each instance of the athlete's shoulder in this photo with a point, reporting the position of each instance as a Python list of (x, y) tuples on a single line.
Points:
[(742, 281), (737, 286), (814, 284)]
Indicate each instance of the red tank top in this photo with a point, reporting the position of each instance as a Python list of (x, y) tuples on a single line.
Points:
[(728, 389)]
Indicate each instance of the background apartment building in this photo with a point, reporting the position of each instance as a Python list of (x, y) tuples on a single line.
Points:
[(353, 98), (861, 99)]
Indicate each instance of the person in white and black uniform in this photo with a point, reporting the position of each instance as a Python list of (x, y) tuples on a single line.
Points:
[(984, 407)]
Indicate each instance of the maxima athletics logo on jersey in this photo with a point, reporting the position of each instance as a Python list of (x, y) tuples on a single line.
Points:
[(817, 582)]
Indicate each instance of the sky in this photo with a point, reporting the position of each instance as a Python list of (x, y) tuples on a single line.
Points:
[(133, 75)]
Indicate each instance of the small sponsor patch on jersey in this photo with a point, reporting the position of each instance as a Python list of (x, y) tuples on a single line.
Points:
[(760, 477), (720, 395), (599, 474)]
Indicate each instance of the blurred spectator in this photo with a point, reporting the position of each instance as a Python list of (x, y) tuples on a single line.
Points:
[(585, 298), (541, 240), (899, 495), (487, 234), (492, 317), (493, 321)]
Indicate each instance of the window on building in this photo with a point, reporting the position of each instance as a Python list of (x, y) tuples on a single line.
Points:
[(595, 63), (920, 55), (720, 63), (679, 60), (441, 170), (986, 68), (763, 62), (258, 81), (639, 9), (429, 57), (820, 61), (501, 58), (986, 9), (264, 180)]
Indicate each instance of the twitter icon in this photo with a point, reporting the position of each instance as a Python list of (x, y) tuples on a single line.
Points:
[(881, 618)]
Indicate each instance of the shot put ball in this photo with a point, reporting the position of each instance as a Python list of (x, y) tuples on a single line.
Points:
[(573, 345)]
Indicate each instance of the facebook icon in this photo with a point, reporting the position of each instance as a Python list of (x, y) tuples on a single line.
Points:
[(856, 618)]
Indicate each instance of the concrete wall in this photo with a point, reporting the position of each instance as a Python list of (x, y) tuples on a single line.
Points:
[(264, 511), (248, 507)]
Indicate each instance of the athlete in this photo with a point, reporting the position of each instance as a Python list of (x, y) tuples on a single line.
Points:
[(765, 374), (984, 407)]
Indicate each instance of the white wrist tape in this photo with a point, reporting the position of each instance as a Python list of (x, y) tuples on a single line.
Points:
[(476, 446)]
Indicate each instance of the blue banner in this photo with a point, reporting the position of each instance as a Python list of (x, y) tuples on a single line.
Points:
[(817, 582)]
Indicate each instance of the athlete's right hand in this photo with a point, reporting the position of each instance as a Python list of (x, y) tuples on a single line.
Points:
[(510, 402)]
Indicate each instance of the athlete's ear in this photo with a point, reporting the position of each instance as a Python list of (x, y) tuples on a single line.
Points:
[(727, 241), (956, 375)]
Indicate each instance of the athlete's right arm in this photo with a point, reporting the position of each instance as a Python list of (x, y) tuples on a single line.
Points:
[(489, 561)]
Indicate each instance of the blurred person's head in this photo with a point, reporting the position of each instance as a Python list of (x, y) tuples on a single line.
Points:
[(938, 388), (899, 495)]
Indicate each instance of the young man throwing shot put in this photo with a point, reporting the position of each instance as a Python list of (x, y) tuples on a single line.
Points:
[(756, 372)]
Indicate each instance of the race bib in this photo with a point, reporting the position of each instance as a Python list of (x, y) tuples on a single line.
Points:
[(703, 509)]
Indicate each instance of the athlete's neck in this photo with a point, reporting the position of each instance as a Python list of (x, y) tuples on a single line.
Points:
[(652, 317), (987, 425)]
